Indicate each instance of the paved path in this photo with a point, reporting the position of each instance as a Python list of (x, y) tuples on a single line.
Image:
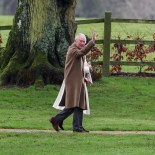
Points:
[(91, 132)]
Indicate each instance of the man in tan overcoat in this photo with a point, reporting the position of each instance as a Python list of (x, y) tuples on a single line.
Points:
[(74, 97)]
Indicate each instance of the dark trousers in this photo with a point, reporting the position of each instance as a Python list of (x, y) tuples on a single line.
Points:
[(77, 116)]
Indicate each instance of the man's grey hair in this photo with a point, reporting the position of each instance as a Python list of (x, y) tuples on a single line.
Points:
[(80, 35)]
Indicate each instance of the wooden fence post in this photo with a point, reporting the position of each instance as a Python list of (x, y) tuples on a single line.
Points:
[(107, 40)]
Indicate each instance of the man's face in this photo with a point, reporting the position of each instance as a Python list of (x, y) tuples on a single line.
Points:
[(80, 42)]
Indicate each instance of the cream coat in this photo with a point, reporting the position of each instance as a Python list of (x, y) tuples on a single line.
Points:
[(74, 90)]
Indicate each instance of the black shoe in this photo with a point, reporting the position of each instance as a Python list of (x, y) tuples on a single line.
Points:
[(84, 129), (60, 125)]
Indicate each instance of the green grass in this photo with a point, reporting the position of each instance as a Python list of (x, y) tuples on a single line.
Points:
[(6, 20), (116, 104), (144, 31), (75, 144)]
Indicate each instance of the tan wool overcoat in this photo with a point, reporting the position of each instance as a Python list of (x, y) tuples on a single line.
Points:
[(74, 93)]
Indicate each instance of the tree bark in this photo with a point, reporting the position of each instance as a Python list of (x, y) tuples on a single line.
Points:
[(38, 41)]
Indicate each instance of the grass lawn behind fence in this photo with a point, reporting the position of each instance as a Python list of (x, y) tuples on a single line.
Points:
[(4, 21), (144, 31)]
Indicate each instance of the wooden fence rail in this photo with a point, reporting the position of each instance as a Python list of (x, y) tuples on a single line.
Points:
[(106, 41), (8, 27)]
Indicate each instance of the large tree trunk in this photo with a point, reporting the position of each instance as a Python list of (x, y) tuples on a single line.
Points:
[(41, 33)]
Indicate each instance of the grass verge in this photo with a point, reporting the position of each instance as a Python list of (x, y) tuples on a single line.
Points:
[(67, 144)]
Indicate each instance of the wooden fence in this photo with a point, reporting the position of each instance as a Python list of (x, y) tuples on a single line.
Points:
[(107, 41)]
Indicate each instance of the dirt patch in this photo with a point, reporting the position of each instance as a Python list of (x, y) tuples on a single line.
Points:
[(10, 87), (123, 74)]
